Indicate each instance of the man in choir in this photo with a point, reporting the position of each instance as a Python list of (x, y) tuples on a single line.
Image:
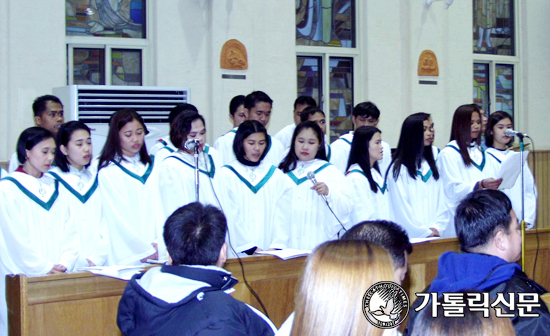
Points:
[(237, 113), (187, 295), (490, 238), (48, 114), (285, 135), (258, 107), (364, 114), (388, 235)]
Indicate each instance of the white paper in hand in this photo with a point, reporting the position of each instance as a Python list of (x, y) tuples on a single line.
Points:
[(119, 272), (510, 169)]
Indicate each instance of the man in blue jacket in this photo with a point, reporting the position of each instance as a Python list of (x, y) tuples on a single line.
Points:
[(187, 296), (490, 238)]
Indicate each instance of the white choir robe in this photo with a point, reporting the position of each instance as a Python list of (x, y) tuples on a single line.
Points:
[(83, 195), (37, 230), (368, 205), (285, 135), (162, 149), (256, 203), (224, 146), (514, 193), (14, 163), (3, 173), (311, 221), (177, 179), (341, 147), (131, 209), (418, 204), (458, 179)]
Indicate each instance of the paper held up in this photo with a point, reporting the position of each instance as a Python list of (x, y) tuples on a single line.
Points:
[(119, 272), (286, 253), (510, 169)]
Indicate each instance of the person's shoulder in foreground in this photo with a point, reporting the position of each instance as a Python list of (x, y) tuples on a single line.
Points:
[(490, 238), (187, 296)]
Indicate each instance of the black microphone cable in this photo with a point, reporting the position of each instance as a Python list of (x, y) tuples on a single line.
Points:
[(311, 177)]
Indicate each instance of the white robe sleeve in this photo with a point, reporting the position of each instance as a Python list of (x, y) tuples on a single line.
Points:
[(362, 209), (339, 198), (101, 251), (281, 230), (530, 195), (68, 254), (449, 164), (340, 154), (14, 163)]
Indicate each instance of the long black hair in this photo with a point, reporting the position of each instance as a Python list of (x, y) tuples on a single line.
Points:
[(461, 129), (494, 118), (289, 162), (247, 128), (112, 146), (63, 138), (411, 150), (359, 152)]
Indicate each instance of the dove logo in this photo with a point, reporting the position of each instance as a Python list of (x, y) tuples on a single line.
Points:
[(386, 305)]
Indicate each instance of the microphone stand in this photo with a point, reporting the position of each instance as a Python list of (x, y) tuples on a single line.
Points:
[(196, 156), (521, 149)]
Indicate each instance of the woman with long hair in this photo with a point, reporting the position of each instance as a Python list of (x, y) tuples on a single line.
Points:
[(256, 195), (462, 164), (311, 219), (329, 295), (498, 149), (177, 171), (79, 183), (37, 232), (129, 190), (369, 191), (413, 178)]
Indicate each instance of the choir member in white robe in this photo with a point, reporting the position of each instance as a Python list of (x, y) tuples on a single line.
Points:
[(364, 114), (3, 173), (312, 221), (255, 194), (416, 190), (224, 146), (37, 232), (128, 184), (462, 164), (80, 185), (498, 148), (370, 194), (285, 135), (177, 171)]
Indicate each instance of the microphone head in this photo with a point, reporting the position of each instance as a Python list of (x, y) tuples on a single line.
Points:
[(510, 133), (191, 144), (310, 175)]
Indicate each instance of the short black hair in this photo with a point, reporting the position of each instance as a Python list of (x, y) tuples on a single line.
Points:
[(366, 109), (255, 97), (39, 104), (305, 100), (386, 234), (63, 138), (194, 234), (30, 138), (181, 126), (479, 216), (235, 103), (309, 111), (176, 110), (246, 128)]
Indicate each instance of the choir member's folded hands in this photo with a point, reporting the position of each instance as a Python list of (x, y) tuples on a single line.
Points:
[(435, 233), (490, 183), (154, 256), (321, 188), (58, 268)]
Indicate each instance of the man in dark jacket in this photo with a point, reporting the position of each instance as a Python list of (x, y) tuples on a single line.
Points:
[(187, 296), (490, 238)]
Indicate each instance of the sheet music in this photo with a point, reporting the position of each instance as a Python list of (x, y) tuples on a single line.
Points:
[(510, 169)]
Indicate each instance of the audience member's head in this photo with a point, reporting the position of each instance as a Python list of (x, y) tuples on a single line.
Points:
[(176, 110), (335, 278), (300, 104), (485, 223), (365, 114), (237, 112), (314, 113), (195, 235), (473, 323), (48, 113), (388, 235), (258, 106)]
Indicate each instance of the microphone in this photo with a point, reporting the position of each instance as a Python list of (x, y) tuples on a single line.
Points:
[(511, 133), (191, 144), (311, 177)]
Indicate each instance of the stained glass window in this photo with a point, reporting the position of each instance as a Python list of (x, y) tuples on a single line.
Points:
[(126, 67), (310, 79), (105, 18), (481, 85), (504, 89), (325, 23), (341, 96), (493, 31), (88, 66)]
